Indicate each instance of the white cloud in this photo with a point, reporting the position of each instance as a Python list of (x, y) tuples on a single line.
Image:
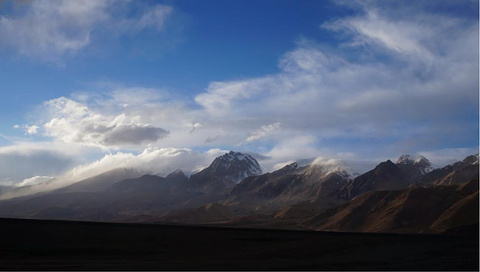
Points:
[(324, 94), (48, 29), (29, 129), (152, 160), (262, 132), (403, 37), (404, 84), (419, 74), (34, 180), (154, 17), (32, 129), (289, 150), (76, 123), (161, 161), (219, 96), (319, 96), (326, 162)]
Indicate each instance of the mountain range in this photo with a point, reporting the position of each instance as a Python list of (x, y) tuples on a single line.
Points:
[(408, 196)]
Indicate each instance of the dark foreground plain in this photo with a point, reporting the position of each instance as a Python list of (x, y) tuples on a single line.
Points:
[(68, 245)]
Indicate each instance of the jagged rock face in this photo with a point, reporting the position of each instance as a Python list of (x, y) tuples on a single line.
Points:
[(235, 166), (456, 173), (471, 160), (388, 176), (224, 172), (291, 184), (271, 191), (418, 165), (409, 159)]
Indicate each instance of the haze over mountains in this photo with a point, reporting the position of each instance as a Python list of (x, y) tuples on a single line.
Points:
[(406, 196)]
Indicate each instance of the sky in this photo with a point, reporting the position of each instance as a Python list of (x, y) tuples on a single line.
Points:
[(89, 86)]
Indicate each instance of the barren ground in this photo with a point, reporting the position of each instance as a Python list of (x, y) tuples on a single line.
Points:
[(64, 245)]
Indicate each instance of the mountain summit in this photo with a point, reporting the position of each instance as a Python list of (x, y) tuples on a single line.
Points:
[(420, 163), (225, 172), (235, 166)]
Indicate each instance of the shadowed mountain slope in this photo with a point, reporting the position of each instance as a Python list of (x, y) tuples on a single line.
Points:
[(412, 209), (387, 176), (407, 196), (224, 173), (101, 182), (124, 195), (269, 192)]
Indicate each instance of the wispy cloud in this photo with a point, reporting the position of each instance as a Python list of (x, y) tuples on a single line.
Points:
[(34, 180), (404, 82), (29, 129), (417, 64), (47, 29), (262, 132), (160, 161), (404, 37)]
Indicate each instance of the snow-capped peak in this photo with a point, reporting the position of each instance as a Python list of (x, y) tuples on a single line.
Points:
[(236, 165), (230, 156), (420, 162)]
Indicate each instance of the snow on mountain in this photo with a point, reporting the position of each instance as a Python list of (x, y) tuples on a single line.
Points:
[(236, 165), (471, 160), (420, 162), (330, 166)]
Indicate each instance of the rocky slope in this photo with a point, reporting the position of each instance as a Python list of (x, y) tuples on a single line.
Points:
[(392, 201), (225, 172), (433, 209), (387, 176), (438, 176), (268, 192), (124, 195), (406, 196)]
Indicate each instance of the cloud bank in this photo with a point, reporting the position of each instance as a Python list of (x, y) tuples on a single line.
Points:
[(20, 162)]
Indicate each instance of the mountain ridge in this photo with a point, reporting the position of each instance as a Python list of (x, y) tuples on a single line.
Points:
[(320, 195)]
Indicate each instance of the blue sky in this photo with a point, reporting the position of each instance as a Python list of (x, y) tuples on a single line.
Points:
[(91, 85)]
